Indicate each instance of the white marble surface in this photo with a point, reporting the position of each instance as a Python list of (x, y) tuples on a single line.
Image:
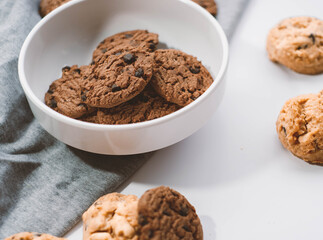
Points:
[(242, 182)]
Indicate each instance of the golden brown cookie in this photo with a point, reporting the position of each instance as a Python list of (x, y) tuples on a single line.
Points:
[(64, 94), (300, 127), (166, 214), (118, 76), (46, 6), (130, 39), (33, 236), (209, 5), (179, 77), (112, 217), (297, 43)]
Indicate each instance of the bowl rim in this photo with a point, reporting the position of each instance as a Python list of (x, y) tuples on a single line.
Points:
[(94, 126)]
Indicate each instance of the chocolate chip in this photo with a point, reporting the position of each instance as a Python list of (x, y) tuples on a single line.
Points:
[(118, 53), (142, 220), (104, 50), (83, 97), (77, 70), (115, 88), (312, 36), (129, 58), (152, 46), (183, 211), (195, 70), (186, 228), (102, 42), (66, 68), (139, 72), (53, 103), (92, 63), (128, 35), (85, 77), (284, 129), (302, 47), (50, 91)]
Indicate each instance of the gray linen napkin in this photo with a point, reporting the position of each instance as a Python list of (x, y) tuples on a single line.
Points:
[(45, 185)]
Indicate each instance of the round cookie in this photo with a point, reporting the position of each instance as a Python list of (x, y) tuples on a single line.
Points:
[(209, 5), (33, 236), (148, 105), (300, 127), (64, 94), (46, 6), (297, 43), (117, 77), (129, 39), (113, 216), (166, 214), (178, 77)]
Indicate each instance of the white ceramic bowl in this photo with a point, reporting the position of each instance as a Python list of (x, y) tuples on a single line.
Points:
[(69, 34)]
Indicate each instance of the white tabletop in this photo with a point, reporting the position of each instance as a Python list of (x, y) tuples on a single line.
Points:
[(242, 182)]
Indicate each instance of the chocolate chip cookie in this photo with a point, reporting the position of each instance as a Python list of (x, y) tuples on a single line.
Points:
[(64, 94), (297, 43), (130, 39), (46, 6), (113, 216), (166, 214), (300, 127), (33, 236), (178, 77), (148, 105), (118, 76), (209, 5)]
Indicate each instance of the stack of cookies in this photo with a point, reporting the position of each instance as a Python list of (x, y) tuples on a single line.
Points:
[(160, 213), (129, 81)]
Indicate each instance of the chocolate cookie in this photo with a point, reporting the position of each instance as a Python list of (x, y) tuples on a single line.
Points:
[(166, 214), (46, 6), (300, 127), (297, 43), (129, 39), (178, 77), (118, 76), (146, 106), (209, 5), (64, 94), (33, 236), (113, 216)]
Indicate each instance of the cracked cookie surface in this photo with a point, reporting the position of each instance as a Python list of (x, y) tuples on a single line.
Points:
[(148, 105), (166, 214), (46, 6), (64, 94), (209, 5), (112, 216), (297, 43), (141, 39), (33, 236), (118, 76), (300, 127), (178, 77)]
